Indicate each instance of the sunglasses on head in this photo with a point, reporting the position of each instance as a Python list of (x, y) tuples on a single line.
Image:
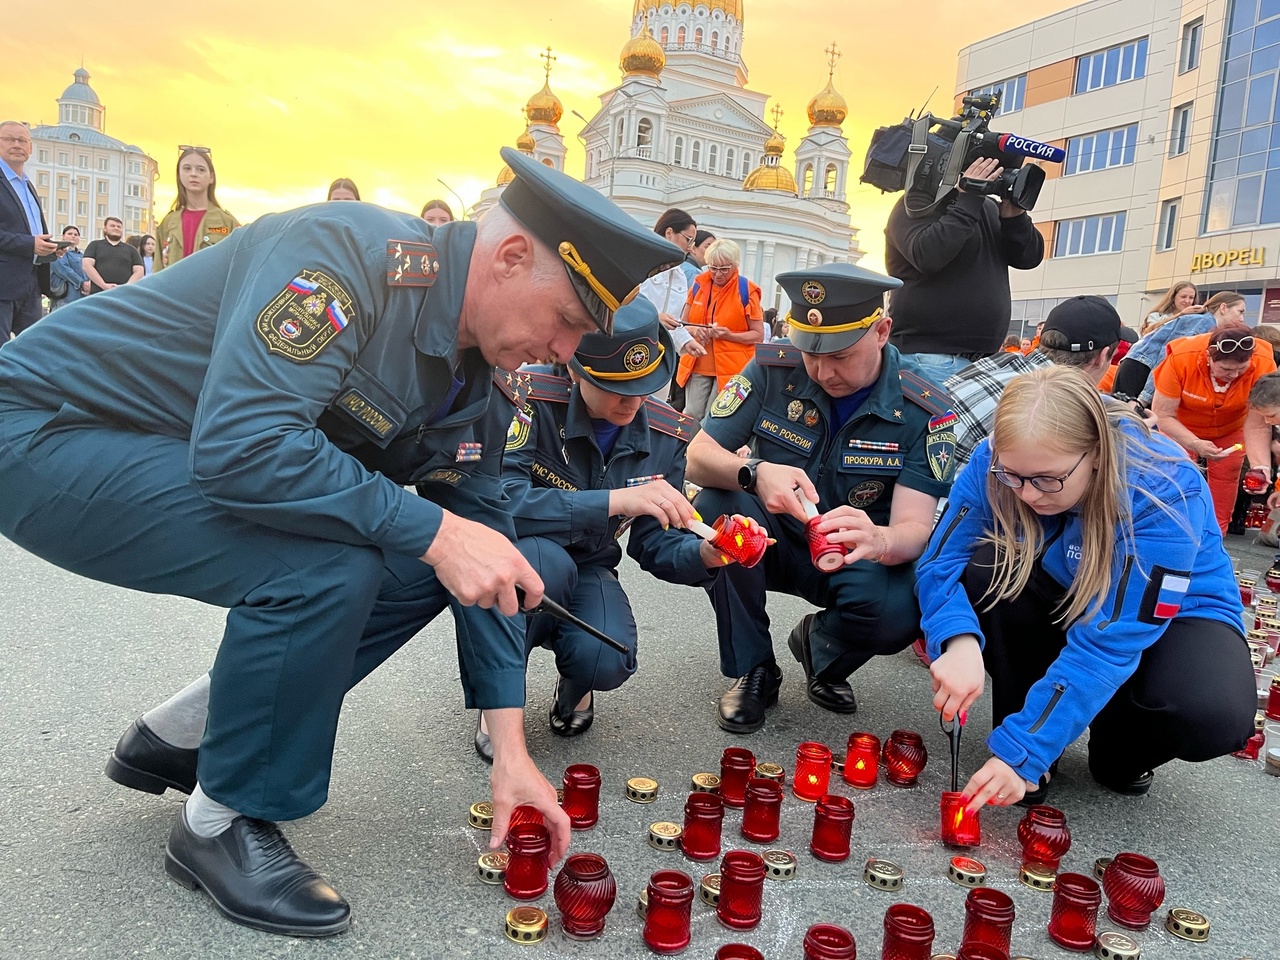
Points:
[(184, 147), (1225, 346)]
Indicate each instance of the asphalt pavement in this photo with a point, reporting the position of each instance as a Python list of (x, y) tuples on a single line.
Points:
[(80, 856)]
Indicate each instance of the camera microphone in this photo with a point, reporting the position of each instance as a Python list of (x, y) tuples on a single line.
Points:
[(1012, 143)]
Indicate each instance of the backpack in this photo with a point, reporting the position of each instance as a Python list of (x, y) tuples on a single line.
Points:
[(744, 292)]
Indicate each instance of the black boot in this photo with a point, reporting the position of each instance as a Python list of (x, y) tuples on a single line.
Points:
[(743, 705)]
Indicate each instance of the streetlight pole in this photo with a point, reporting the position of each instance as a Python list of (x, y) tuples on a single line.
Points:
[(461, 203)]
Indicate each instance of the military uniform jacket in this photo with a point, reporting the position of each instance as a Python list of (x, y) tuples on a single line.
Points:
[(558, 481), (902, 434)]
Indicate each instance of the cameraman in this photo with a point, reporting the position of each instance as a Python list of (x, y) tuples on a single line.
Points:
[(953, 307)]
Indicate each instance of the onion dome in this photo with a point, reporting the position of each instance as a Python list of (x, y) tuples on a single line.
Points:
[(828, 108), (544, 106), (525, 144), (771, 175), (80, 89), (642, 55)]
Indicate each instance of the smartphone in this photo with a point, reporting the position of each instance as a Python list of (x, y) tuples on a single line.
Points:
[(64, 244)]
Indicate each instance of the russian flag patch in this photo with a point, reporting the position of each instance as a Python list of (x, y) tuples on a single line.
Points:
[(1165, 593)]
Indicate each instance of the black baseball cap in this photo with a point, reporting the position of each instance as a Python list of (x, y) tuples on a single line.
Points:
[(1088, 323)]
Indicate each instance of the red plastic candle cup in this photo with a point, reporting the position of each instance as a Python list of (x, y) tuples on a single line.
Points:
[(582, 795), (1134, 889), (960, 828), (826, 556), (1246, 593), (741, 889), (528, 849), (826, 941), (904, 758), (703, 819), (1073, 921), (584, 892), (1044, 835), (1255, 482), (738, 951), (981, 951), (908, 933), (760, 816), (736, 766), (988, 918), (862, 760), (813, 772), (666, 923), (526, 814), (743, 540), (1272, 710), (832, 828)]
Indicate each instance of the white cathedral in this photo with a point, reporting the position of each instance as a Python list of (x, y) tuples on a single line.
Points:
[(681, 129)]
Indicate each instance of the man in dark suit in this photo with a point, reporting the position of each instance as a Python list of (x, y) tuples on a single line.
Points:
[(24, 236)]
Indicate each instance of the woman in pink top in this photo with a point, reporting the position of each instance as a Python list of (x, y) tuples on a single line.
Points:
[(195, 220)]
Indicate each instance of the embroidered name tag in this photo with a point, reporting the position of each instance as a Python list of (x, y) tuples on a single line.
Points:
[(861, 462), (549, 478), (367, 413), (792, 436), (451, 477)]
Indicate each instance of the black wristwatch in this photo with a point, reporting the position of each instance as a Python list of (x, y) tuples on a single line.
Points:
[(747, 475)]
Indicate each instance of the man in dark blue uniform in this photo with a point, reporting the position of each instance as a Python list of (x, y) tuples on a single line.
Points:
[(832, 421), (239, 430), (589, 455)]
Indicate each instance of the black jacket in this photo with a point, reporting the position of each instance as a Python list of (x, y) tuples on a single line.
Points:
[(18, 246), (954, 268)]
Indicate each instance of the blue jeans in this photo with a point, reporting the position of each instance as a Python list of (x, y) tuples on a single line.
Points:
[(935, 367)]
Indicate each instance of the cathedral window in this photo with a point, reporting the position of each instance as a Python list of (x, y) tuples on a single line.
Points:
[(746, 165), (678, 155), (729, 157), (644, 132), (696, 159), (617, 137), (713, 159), (680, 35), (715, 40), (807, 181), (697, 36), (666, 34), (829, 179)]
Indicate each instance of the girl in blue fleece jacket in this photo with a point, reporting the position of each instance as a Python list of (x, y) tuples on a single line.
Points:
[(1080, 565)]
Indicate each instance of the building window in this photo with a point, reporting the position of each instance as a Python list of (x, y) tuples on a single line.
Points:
[(43, 155), (678, 154), (1167, 233), (806, 181), (715, 40), (666, 35), (63, 160), (135, 167), (695, 161), (680, 35), (1012, 94), (102, 210), (730, 161), (103, 186), (746, 165), (617, 137), (829, 180), (644, 132), (1189, 53), (697, 36), (82, 208), (1115, 65), (63, 181), (1098, 151), (82, 162), (82, 184), (713, 159), (103, 164), (62, 205), (1180, 132), (1103, 233), (42, 179)]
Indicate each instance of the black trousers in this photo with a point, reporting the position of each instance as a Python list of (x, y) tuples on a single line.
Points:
[(1191, 698)]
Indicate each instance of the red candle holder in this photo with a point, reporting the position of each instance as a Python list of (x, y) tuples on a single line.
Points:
[(960, 828), (1272, 710), (832, 828), (703, 820), (738, 951), (526, 814), (988, 918), (826, 556), (1073, 921), (813, 772), (761, 815), (736, 766), (1134, 889), (584, 893), (908, 933), (826, 941), (1247, 591), (1255, 516), (904, 758), (981, 951), (1255, 482), (862, 760), (582, 795), (1044, 835), (740, 538), (528, 850), (741, 889), (666, 921)]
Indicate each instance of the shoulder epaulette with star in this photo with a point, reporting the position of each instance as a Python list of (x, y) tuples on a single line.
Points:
[(548, 386), (516, 385), (777, 355), (924, 394), (666, 419), (411, 263)]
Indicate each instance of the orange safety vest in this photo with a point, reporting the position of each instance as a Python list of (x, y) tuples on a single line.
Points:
[(724, 358)]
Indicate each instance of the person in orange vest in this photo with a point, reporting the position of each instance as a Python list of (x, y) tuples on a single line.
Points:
[(723, 313), (1012, 344)]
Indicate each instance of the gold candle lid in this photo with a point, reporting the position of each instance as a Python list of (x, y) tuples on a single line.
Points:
[(492, 866), (1187, 924), (1248, 581), (1258, 635), (837, 763), (770, 771), (779, 864), (967, 872), (1116, 946), (944, 956), (709, 889), (706, 783), (883, 874), (642, 904), (1037, 876), (1100, 867), (526, 925), (642, 790), (1259, 721), (560, 795), (481, 815), (664, 835)]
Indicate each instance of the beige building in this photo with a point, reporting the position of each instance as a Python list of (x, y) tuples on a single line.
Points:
[(1167, 110)]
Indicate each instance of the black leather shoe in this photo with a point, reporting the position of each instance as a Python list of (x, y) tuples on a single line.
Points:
[(834, 695), (142, 761), (570, 723), (484, 746), (1137, 787), (743, 705), (253, 876)]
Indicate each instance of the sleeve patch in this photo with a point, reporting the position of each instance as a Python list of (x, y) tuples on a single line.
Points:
[(1165, 592), (305, 316), (731, 397), (518, 432)]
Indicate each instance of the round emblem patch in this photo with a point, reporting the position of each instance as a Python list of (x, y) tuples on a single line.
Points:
[(813, 292), (794, 409), (290, 330), (865, 493), (637, 358), (815, 318)]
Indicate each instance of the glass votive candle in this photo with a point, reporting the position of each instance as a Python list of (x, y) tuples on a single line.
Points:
[(904, 757), (988, 918), (832, 828), (582, 795), (1044, 835), (584, 893), (960, 828), (760, 816), (862, 760), (736, 766), (666, 920), (1272, 710), (981, 951), (1073, 920), (703, 820), (908, 933), (738, 951), (826, 941), (528, 852), (812, 775), (1134, 889), (526, 814), (741, 889)]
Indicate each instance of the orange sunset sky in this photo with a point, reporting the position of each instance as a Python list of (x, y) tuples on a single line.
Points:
[(291, 95)]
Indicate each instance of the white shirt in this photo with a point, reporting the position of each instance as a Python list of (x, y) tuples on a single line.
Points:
[(668, 291)]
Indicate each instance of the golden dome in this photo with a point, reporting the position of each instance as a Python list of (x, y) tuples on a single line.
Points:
[(525, 142), (642, 54), (771, 176), (544, 106), (774, 146), (505, 176), (828, 108)]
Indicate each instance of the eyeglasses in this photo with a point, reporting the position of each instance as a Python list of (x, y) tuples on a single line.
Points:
[(184, 147), (1225, 346), (722, 269), (689, 239), (26, 140), (1042, 483)]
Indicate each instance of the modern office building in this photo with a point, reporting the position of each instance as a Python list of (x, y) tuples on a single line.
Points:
[(1168, 113)]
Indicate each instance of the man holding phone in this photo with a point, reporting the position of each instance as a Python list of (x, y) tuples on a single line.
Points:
[(25, 244), (110, 262)]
